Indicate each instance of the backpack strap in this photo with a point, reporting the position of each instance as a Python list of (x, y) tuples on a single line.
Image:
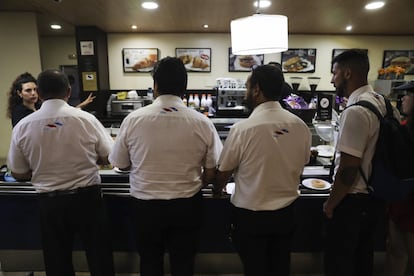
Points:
[(374, 110), (371, 107)]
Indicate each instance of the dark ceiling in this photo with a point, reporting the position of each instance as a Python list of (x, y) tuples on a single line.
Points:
[(184, 16)]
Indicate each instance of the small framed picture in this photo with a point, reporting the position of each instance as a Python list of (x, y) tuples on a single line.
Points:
[(137, 60), (336, 52), (195, 59), (402, 58), (299, 60), (244, 63)]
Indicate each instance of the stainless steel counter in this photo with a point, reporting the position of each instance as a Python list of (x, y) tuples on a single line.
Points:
[(117, 184)]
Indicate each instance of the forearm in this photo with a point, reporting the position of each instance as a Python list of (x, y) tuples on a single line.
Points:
[(102, 160), (22, 176), (209, 176), (222, 178), (344, 180)]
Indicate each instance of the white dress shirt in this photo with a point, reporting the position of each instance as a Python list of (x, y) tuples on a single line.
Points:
[(358, 132), (166, 144), (60, 144), (267, 152)]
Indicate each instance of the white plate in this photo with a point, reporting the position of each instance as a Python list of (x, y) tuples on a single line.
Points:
[(118, 170), (230, 188), (325, 150), (308, 184)]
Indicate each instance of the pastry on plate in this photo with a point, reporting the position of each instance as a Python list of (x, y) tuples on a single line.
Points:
[(198, 62), (318, 184), (186, 59)]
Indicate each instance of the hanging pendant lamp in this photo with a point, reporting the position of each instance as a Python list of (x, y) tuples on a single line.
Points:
[(259, 34)]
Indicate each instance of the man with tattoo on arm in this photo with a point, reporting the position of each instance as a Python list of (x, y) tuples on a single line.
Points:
[(352, 213)]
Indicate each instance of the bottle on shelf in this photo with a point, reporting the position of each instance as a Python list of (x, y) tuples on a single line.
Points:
[(203, 104), (185, 100), (191, 102), (209, 103), (196, 101)]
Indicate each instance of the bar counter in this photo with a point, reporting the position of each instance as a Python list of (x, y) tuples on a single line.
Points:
[(20, 229)]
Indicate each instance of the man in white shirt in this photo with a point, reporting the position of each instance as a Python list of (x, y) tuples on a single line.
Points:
[(267, 153), (352, 213), (172, 152), (59, 148)]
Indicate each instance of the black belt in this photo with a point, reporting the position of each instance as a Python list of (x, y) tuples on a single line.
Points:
[(70, 192)]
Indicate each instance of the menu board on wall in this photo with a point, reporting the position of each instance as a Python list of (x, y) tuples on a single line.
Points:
[(136, 60)]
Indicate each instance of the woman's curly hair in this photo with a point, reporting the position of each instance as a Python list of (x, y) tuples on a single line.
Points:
[(14, 98)]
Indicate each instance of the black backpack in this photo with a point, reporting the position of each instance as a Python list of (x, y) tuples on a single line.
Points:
[(392, 176)]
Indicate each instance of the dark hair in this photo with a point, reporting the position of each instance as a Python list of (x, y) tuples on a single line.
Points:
[(52, 84), (276, 64), (270, 80), (17, 85), (356, 59), (170, 76)]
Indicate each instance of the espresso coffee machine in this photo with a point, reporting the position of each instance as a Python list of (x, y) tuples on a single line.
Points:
[(230, 102)]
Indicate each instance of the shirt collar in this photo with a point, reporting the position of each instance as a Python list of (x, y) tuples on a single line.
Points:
[(54, 103), (266, 106), (358, 92), (168, 98)]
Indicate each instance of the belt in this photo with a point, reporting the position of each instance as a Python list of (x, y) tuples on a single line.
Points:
[(70, 192)]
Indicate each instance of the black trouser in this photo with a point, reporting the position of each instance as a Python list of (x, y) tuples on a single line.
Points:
[(349, 246), (263, 240), (64, 214), (171, 225)]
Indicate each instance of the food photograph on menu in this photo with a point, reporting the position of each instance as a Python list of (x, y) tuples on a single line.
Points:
[(243, 63), (401, 58), (139, 60), (195, 59), (299, 61)]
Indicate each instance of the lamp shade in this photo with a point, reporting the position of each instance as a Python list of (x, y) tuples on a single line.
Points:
[(259, 34)]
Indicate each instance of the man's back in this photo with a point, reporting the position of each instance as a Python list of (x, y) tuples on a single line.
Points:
[(59, 140), (270, 149), (168, 144)]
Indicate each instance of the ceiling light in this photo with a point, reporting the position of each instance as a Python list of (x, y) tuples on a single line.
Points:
[(134, 27), (149, 5), (259, 34), (263, 4), (55, 26), (374, 5), (205, 26), (348, 28)]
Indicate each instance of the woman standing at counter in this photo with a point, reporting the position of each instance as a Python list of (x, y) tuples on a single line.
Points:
[(400, 246), (23, 98)]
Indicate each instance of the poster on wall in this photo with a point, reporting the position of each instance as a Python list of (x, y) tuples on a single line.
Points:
[(89, 81), (402, 58), (195, 59), (86, 48), (299, 60), (244, 63), (139, 60)]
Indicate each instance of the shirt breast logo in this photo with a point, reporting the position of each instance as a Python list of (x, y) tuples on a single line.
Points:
[(54, 125), (280, 132), (168, 109)]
